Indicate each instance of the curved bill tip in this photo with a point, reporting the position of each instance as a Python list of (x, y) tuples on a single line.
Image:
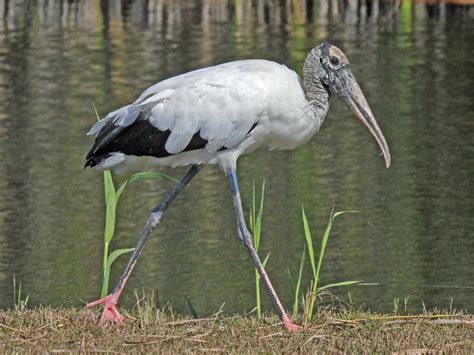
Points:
[(364, 114), (388, 159), (356, 101)]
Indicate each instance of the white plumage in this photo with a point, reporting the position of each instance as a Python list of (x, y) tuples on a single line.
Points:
[(216, 114), (221, 103)]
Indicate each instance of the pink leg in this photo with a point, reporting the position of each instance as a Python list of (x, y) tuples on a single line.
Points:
[(289, 326), (110, 311), (246, 237), (287, 323)]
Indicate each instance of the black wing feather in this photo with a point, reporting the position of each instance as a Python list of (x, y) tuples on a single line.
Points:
[(140, 138)]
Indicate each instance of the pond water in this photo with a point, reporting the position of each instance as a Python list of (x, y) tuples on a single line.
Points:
[(413, 236)]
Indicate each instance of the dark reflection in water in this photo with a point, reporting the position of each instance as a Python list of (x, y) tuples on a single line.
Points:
[(415, 63)]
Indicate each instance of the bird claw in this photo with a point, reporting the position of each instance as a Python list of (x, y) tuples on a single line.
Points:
[(291, 327), (110, 311)]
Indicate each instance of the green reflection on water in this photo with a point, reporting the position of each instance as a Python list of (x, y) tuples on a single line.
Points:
[(415, 225)]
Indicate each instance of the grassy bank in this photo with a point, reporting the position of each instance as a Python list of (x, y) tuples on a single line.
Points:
[(149, 329)]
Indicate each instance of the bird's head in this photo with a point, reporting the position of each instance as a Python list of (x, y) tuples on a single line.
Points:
[(328, 65)]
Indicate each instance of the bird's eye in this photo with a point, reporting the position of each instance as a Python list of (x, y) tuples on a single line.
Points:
[(334, 61)]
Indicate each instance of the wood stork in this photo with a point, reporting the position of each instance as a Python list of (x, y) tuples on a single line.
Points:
[(213, 116)]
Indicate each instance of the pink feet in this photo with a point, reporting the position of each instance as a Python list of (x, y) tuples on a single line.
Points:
[(110, 311), (289, 326)]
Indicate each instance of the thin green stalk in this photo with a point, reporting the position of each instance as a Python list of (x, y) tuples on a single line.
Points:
[(255, 228), (18, 303), (14, 290), (104, 289), (112, 196), (257, 294), (317, 269), (19, 296), (298, 284)]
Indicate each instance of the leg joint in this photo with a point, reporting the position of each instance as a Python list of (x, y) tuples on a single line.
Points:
[(247, 238), (154, 218)]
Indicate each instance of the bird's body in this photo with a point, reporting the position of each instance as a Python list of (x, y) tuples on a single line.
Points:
[(208, 116), (214, 115)]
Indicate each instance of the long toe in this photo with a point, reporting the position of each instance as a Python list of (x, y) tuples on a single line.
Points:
[(291, 327), (111, 314)]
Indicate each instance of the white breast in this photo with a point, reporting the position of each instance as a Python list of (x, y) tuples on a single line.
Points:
[(223, 104)]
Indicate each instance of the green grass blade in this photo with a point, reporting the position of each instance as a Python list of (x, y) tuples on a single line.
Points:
[(323, 248), (110, 208), (256, 217), (298, 283), (107, 177), (342, 212), (257, 294), (141, 176), (14, 290), (19, 295), (324, 242), (266, 259), (256, 227), (111, 258), (191, 308), (253, 211), (292, 283), (257, 288), (337, 284), (327, 232), (96, 112), (115, 254), (109, 227), (309, 242), (260, 216)]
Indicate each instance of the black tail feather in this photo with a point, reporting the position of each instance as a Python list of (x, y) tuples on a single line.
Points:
[(90, 163)]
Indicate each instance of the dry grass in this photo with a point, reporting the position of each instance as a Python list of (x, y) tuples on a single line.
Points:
[(149, 329)]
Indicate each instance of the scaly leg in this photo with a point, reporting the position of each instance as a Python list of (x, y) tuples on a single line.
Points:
[(110, 311), (247, 239)]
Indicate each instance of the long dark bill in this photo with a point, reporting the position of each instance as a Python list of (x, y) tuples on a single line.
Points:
[(352, 95)]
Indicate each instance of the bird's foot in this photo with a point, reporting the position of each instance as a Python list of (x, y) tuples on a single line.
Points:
[(290, 326), (110, 311)]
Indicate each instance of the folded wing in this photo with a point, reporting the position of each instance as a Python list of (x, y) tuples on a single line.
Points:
[(212, 108)]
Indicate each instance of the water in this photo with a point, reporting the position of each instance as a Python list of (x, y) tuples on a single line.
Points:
[(413, 234)]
